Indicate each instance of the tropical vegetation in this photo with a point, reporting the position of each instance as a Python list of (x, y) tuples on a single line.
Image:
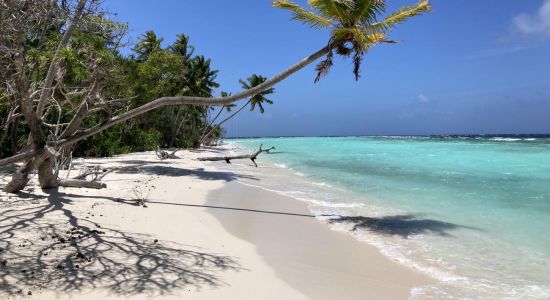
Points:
[(67, 89)]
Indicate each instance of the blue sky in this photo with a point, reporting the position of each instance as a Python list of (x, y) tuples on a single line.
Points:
[(467, 67)]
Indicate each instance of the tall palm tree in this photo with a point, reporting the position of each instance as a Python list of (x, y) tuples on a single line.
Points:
[(181, 47), (354, 24), (259, 99), (363, 32), (148, 42), (197, 79)]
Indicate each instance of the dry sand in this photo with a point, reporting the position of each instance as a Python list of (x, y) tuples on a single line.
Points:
[(203, 235)]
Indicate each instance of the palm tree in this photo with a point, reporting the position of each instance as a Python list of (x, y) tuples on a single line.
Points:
[(148, 43), (259, 98), (256, 100), (198, 79), (355, 28), (361, 30), (181, 47), (354, 25)]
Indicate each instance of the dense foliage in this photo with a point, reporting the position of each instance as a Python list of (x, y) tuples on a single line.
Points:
[(126, 81), (152, 72)]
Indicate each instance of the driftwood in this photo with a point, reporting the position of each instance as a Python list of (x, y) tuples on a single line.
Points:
[(162, 155), (98, 173), (228, 159), (90, 184)]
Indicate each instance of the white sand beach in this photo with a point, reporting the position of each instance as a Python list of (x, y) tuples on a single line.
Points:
[(202, 235)]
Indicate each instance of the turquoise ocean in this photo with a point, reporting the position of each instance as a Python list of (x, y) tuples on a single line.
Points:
[(470, 211)]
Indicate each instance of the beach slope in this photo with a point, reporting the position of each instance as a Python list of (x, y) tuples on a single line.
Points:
[(202, 235)]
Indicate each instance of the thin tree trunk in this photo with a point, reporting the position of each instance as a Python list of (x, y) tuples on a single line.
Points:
[(180, 125), (82, 111), (224, 120), (210, 124), (175, 123), (52, 70), (23, 96)]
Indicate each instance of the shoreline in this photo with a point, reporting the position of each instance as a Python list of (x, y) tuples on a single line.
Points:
[(306, 253), (180, 245)]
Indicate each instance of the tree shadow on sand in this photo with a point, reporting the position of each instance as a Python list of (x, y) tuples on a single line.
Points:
[(398, 225), (199, 173), (44, 246)]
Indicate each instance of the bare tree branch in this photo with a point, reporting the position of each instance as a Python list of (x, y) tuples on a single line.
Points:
[(52, 70)]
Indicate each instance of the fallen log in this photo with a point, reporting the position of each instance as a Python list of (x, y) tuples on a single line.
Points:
[(90, 184), (98, 173), (228, 159)]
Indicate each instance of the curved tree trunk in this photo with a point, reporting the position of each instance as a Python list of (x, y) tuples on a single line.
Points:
[(40, 158), (182, 100), (46, 175)]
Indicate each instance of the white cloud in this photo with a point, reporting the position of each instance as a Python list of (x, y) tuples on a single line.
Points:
[(423, 98), (535, 23), (484, 53)]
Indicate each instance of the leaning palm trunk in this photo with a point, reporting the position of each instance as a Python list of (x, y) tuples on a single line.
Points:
[(204, 137), (182, 100), (40, 157)]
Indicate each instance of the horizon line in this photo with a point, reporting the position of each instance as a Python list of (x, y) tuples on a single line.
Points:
[(401, 135)]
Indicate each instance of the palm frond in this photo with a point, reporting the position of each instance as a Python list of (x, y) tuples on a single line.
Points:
[(357, 58), (334, 9), (343, 50), (244, 84), (402, 15), (361, 39), (354, 25), (301, 14), (324, 66), (366, 11)]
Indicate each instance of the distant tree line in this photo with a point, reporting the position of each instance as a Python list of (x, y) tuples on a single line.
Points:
[(91, 65)]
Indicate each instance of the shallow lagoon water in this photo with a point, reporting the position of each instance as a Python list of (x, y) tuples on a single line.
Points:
[(470, 211)]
